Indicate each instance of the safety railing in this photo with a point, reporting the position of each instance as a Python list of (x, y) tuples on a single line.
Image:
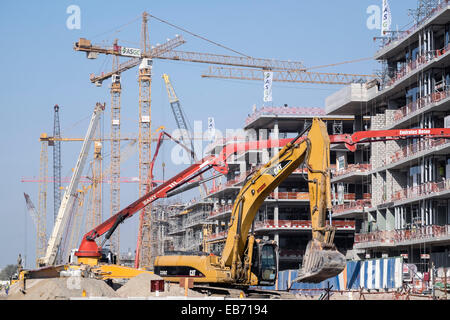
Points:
[(352, 206), (218, 235), (413, 149), (221, 209), (227, 184), (420, 104), (300, 224), (395, 237), (414, 65), (361, 167), (420, 190), (285, 111), (289, 196), (400, 36)]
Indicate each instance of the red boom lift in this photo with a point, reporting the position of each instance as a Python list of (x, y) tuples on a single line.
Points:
[(89, 252)]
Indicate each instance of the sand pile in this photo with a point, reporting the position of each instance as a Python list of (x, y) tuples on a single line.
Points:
[(139, 286), (61, 289)]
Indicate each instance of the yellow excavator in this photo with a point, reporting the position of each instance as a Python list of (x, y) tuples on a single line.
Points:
[(247, 261)]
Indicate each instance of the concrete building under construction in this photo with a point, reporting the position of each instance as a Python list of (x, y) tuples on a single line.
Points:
[(284, 215), (390, 198), (408, 213)]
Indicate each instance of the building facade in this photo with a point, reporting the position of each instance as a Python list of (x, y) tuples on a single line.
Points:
[(405, 208)]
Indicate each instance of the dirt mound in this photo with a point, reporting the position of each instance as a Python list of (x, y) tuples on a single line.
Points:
[(61, 289), (139, 286)]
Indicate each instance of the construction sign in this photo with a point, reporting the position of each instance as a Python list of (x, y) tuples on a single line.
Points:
[(268, 77), (386, 18)]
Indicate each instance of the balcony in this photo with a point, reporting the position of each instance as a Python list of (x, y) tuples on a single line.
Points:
[(299, 225), (352, 210), (419, 106), (288, 225), (285, 111), (394, 42), (420, 148), (289, 196), (351, 173), (429, 189), (402, 237), (221, 210), (409, 74), (227, 185), (217, 236)]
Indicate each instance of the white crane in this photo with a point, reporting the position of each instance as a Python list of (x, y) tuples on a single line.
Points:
[(71, 192)]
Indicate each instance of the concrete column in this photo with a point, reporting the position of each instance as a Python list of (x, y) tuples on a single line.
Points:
[(275, 214), (397, 218), (390, 219), (276, 135), (358, 124), (381, 220)]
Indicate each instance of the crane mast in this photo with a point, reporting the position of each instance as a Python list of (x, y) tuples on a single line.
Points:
[(116, 90), (56, 163), (71, 192), (144, 245)]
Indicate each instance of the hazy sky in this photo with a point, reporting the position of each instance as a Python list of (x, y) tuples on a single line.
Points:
[(41, 69)]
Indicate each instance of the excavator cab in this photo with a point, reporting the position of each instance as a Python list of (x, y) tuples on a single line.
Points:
[(265, 262)]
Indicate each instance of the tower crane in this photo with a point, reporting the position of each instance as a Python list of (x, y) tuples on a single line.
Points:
[(56, 163), (294, 76), (144, 58), (116, 90)]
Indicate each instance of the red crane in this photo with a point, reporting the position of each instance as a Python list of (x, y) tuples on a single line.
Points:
[(89, 249)]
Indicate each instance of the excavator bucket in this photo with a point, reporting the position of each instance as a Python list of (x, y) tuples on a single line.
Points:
[(320, 262)]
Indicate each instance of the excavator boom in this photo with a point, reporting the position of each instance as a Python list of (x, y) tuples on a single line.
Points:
[(248, 261)]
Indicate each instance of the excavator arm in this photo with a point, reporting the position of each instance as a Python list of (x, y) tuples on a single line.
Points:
[(322, 260), (249, 261)]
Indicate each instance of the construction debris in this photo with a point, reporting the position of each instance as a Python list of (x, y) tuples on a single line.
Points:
[(140, 287)]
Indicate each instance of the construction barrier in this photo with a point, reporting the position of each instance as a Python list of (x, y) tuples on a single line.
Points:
[(375, 274), (386, 273)]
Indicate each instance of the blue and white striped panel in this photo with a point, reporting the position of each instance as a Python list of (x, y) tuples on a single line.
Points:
[(369, 274), (398, 272), (381, 273), (354, 274)]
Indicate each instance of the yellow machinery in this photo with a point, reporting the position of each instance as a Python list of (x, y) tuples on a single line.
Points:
[(246, 261)]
